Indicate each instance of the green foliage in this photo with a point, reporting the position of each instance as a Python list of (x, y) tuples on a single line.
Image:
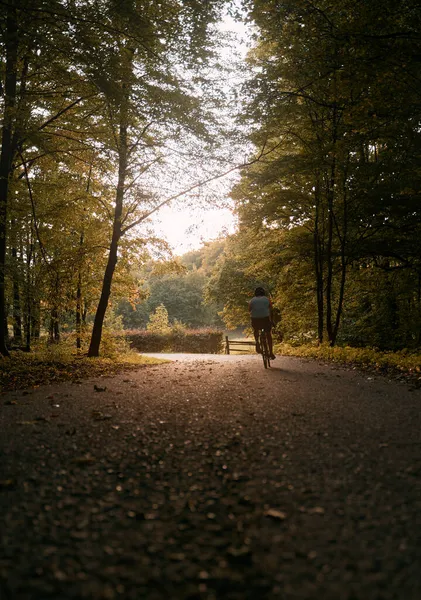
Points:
[(113, 344), (158, 321), (182, 291), (332, 107), (403, 361), (383, 308), (99, 94), (200, 341), (329, 217)]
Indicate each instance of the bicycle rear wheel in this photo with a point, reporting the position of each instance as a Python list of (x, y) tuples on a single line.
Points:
[(265, 349)]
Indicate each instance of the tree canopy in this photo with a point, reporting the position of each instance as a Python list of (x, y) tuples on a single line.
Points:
[(92, 93), (104, 107), (333, 103)]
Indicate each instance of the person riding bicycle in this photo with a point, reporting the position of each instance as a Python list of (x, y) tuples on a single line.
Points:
[(261, 313)]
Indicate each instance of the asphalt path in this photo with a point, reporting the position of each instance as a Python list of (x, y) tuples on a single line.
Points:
[(210, 477)]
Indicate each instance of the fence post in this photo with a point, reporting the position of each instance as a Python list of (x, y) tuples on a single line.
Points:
[(227, 345)]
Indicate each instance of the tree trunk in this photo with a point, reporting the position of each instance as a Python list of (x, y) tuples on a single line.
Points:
[(329, 266), (55, 312), (318, 267), (17, 316), (331, 197), (27, 326), (6, 330), (105, 293), (36, 319), (7, 152), (330, 228), (343, 238), (320, 300), (17, 309), (54, 326), (79, 312), (116, 235), (79, 276), (27, 322), (340, 304)]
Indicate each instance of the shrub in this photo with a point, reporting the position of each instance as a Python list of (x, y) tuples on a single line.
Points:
[(402, 361), (113, 343), (158, 321), (197, 341)]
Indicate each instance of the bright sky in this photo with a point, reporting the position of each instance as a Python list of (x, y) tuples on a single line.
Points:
[(187, 229)]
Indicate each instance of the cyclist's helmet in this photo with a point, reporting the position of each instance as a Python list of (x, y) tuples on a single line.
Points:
[(259, 292)]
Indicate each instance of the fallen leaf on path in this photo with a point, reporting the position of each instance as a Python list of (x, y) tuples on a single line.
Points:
[(241, 552), (97, 415), (317, 510), (177, 556), (276, 514), (203, 575)]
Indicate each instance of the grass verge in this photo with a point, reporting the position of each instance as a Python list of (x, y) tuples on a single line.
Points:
[(398, 365), (31, 370)]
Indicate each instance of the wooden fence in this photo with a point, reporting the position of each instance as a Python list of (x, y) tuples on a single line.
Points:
[(230, 345)]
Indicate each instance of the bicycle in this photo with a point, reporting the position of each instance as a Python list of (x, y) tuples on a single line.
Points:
[(264, 348)]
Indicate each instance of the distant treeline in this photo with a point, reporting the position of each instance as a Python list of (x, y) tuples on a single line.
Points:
[(182, 291)]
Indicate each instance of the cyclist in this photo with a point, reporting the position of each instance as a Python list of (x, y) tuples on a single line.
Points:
[(261, 314)]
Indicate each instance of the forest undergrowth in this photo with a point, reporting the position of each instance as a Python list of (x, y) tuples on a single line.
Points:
[(403, 365), (31, 369)]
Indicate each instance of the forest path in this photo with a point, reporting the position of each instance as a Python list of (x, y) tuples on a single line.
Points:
[(210, 478)]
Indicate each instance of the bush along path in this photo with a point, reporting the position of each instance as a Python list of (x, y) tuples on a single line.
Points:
[(402, 365), (212, 478)]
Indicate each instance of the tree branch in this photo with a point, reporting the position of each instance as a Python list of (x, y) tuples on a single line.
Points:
[(64, 110), (244, 165), (28, 183)]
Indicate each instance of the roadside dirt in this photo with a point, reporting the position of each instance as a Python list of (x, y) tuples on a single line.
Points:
[(210, 477)]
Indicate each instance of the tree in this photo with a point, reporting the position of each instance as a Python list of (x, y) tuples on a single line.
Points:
[(244, 265), (39, 84), (139, 69), (158, 321), (334, 125), (7, 149), (100, 83)]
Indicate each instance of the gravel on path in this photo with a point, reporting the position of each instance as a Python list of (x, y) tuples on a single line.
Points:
[(211, 477)]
